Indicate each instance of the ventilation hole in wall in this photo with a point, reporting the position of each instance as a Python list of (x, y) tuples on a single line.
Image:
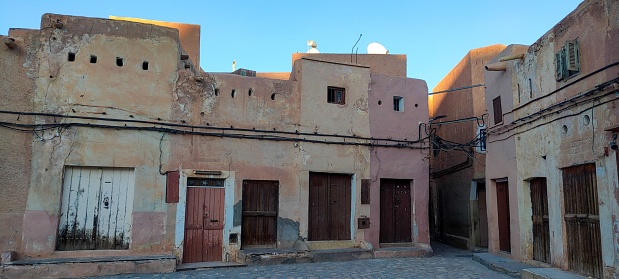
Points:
[(416, 105), (273, 96), (564, 129), (202, 113), (119, 62), (586, 119), (145, 65), (216, 91), (71, 57), (233, 94), (93, 59), (250, 91), (380, 103)]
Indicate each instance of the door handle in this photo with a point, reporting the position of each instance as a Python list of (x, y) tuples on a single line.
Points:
[(214, 221)]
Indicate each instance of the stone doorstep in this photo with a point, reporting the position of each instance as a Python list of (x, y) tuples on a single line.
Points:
[(82, 267), (206, 265), (547, 273)]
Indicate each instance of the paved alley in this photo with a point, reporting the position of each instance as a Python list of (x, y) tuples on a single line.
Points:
[(447, 263)]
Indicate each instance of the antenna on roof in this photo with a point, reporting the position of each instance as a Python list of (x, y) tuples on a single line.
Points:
[(312, 44), (376, 48), (353, 49)]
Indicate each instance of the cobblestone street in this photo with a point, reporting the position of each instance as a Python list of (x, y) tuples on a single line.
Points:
[(446, 263)]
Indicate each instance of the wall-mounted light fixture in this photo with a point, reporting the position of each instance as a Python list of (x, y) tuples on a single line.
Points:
[(613, 143), (206, 172)]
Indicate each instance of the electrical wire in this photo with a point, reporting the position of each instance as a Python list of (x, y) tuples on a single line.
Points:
[(205, 127), (375, 143)]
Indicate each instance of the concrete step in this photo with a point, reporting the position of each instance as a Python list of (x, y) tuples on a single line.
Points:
[(501, 264), (548, 273), (340, 255), (273, 256), (83, 267), (402, 252), (278, 256)]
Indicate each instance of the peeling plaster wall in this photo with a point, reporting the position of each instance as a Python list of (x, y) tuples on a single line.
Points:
[(18, 70), (391, 163), (457, 220), (594, 23), (101, 89), (245, 159), (298, 104)]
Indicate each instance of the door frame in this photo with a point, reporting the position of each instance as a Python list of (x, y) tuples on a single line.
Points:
[(229, 229), (409, 183), (353, 191), (277, 207), (507, 214)]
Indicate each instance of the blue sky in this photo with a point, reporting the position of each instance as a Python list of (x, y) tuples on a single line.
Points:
[(262, 35)]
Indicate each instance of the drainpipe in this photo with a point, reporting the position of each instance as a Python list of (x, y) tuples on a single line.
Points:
[(9, 42), (500, 66)]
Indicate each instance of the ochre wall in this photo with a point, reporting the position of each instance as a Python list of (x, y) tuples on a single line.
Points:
[(189, 35), (17, 72)]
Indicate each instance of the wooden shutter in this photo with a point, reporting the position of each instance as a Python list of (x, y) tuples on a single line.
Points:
[(572, 56)]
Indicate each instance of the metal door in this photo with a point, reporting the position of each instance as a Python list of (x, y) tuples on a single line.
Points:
[(260, 204), (541, 228), (204, 220), (502, 200), (329, 206), (395, 211), (96, 209), (582, 220)]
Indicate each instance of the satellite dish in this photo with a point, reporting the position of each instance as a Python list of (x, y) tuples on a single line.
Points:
[(376, 48), (312, 44)]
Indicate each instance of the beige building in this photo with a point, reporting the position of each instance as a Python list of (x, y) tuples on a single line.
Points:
[(551, 149), (120, 155)]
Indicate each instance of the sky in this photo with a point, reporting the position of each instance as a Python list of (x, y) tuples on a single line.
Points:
[(263, 35)]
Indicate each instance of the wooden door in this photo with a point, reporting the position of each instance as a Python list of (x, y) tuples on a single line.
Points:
[(502, 200), (260, 204), (96, 209), (483, 218), (204, 220), (395, 211), (329, 206), (541, 228), (582, 220)]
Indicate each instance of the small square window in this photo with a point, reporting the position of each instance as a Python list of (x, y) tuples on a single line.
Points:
[(398, 103), (336, 95)]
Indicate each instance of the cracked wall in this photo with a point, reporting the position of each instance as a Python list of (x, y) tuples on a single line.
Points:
[(115, 85), (19, 66)]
